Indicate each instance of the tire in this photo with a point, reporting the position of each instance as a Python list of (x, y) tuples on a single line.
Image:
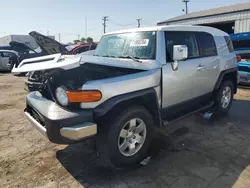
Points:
[(109, 139), (222, 108)]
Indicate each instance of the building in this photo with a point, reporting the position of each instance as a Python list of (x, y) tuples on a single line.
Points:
[(26, 39), (231, 19)]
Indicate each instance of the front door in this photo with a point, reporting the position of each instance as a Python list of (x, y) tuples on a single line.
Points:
[(1, 62), (5, 58)]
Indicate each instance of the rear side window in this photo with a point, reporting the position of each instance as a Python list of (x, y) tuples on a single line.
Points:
[(206, 44), (229, 44), (181, 38)]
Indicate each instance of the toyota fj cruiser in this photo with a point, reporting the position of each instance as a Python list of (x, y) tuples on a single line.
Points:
[(137, 80)]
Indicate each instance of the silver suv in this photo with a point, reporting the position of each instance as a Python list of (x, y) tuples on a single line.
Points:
[(137, 80)]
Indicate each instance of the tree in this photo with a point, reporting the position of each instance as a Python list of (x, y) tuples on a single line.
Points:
[(83, 40), (89, 40), (76, 41)]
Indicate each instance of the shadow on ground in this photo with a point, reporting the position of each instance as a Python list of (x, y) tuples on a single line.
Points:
[(4, 72), (201, 153)]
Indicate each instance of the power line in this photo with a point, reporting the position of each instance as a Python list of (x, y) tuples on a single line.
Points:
[(59, 37), (186, 2), (86, 27), (105, 19), (116, 23)]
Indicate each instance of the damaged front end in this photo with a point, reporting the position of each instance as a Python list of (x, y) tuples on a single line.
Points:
[(71, 88), (47, 81)]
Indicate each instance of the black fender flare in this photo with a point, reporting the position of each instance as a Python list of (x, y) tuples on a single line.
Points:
[(146, 97), (222, 75)]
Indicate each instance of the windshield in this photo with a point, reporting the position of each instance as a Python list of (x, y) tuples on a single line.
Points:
[(140, 45)]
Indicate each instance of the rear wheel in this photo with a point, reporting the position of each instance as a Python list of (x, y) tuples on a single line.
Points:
[(224, 98), (124, 141)]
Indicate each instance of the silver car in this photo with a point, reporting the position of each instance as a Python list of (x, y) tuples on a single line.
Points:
[(137, 80), (7, 58)]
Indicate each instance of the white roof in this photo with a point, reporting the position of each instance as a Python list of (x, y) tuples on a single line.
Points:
[(211, 30)]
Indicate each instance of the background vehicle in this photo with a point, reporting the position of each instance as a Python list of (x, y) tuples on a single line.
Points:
[(6, 48), (241, 43), (83, 48), (137, 80), (7, 59)]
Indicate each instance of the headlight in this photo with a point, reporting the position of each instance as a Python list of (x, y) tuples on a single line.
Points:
[(61, 96)]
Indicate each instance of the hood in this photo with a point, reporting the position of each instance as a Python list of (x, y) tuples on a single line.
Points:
[(72, 61), (48, 45), (20, 47)]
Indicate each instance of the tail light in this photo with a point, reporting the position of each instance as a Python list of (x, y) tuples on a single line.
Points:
[(238, 58)]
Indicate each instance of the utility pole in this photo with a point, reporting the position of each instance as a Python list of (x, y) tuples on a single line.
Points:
[(59, 37), (186, 2), (139, 22), (86, 28), (78, 36), (105, 19)]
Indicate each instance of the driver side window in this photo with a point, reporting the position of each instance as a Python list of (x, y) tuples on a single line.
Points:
[(181, 38)]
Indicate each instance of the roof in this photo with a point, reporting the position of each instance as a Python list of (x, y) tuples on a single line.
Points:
[(210, 12), (8, 51), (211, 30)]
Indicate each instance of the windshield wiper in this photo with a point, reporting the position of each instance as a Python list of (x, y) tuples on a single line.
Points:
[(105, 56), (131, 57)]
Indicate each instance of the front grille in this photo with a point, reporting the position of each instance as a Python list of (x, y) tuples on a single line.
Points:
[(244, 68)]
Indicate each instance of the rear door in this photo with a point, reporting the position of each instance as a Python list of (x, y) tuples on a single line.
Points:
[(209, 61)]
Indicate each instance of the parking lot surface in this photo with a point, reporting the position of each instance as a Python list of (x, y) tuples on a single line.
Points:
[(200, 153)]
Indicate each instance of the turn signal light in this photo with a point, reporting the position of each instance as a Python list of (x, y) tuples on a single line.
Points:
[(84, 96)]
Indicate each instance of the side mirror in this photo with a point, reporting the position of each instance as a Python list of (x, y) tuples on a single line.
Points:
[(180, 52)]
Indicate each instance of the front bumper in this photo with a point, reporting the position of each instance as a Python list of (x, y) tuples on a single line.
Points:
[(244, 78), (57, 124)]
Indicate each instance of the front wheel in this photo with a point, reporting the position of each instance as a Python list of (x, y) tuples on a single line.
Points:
[(224, 98), (124, 140)]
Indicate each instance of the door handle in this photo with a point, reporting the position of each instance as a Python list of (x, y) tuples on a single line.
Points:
[(201, 67)]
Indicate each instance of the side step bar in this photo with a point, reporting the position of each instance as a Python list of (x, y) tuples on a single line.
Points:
[(165, 122)]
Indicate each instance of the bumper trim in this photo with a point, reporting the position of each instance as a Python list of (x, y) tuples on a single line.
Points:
[(37, 125), (80, 131)]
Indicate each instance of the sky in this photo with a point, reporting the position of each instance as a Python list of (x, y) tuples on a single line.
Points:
[(68, 17)]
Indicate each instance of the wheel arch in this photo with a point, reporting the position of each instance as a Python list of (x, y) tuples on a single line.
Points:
[(230, 74), (146, 98)]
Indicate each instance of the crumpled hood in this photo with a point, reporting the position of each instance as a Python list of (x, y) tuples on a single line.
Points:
[(72, 61)]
